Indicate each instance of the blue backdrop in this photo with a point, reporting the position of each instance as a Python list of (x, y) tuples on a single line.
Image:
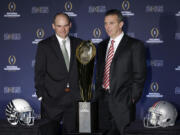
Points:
[(24, 23)]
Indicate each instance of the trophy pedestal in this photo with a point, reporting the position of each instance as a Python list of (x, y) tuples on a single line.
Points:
[(87, 117)]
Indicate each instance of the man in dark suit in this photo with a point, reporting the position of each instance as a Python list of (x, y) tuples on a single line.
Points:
[(56, 76), (120, 75)]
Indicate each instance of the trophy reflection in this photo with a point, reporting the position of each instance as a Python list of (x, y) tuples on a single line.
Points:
[(85, 54)]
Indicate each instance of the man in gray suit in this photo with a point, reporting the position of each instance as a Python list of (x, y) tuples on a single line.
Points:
[(56, 76), (120, 75)]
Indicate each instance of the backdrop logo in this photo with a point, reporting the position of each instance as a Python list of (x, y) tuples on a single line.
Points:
[(154, 88), (96, 34), (12, 90), (177, 14), (131, 34), (177, 90), (155, 9), (33, 63), (12, 62), (177, 68), (40, 35), (68, 6), (68, 9), (177, 36), (11, 13), (73, 34), (156, 63), (125, 5), (126, 8), (40, 10), (34, 95), (154, 32), (12, 6), (97, 9), (12, 36)]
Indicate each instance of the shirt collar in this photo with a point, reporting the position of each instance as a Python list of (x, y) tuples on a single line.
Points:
[(118, 38), (61, 39)]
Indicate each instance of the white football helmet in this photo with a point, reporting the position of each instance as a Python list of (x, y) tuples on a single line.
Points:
[(161, 114), (19, 111)]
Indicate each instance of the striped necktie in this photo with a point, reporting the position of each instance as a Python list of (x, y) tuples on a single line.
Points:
[(106, 79)]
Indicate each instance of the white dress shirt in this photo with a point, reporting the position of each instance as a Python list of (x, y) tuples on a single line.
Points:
[(68, 47), (116, 43)]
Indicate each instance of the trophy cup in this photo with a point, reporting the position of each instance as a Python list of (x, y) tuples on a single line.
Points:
[(85, 55)]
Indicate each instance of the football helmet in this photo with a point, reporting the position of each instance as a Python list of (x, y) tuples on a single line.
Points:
[(19, 111), (161, 114)]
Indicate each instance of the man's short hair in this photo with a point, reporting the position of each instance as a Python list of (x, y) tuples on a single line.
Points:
[(115, 12), (63, 14)]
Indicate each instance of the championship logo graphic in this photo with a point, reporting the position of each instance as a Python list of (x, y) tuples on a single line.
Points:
[(12, 11), (154, 88), (39, 35), (68, 6), (96, 35), (12, 6), (154, 32), (12, 62), (126, 9), (125, 5)]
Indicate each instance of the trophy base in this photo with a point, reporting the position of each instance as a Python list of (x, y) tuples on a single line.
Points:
[(87, 120)]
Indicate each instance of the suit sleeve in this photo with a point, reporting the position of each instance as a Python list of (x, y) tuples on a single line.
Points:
[(139, 70), (40, 70)]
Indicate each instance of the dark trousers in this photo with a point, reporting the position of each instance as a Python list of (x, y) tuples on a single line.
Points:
[(61, 126), (106, 121)]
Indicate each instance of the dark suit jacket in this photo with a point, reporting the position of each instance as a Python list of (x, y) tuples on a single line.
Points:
[(51, 77), (127, 77)]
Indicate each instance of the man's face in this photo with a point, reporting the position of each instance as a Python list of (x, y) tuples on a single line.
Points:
[(112, 25), (61, 26)]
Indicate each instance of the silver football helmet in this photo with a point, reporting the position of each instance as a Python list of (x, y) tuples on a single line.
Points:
[(161, 114), (19, 111)]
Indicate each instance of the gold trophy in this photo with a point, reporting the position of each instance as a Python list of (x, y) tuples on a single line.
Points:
[(85, 54)]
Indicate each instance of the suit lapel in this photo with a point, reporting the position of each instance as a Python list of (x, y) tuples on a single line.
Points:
[(120, 47), (104, 50), (73, 51), (56, 47)]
